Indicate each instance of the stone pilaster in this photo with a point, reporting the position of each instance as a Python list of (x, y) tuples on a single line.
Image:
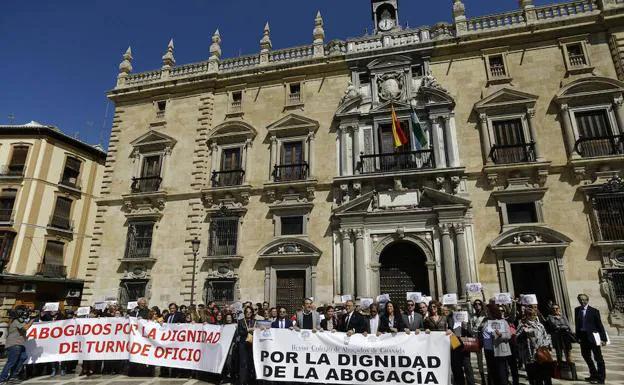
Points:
[(448, 260), (530, 116), (570, 139), (360, 265), (462, 256), (347, 263), (486, 146)]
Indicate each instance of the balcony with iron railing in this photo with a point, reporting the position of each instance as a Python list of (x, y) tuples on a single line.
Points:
[(396, 161), (227, 178), (498, 71), (290, 172), (160, 114), (236, 106), (12, 171), (145, 184), (577, 60), (513, 153), (61, 223), (609, 145), (139, 249), (71, 182), (50, 270)]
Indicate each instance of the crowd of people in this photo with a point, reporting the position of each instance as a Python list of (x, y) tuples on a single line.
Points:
[(505, 338)]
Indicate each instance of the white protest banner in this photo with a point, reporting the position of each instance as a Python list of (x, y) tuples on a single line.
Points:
[(51, 306), (459, 317), (188, 346), (82, 311), (474, 288), (502, 298), (449, 299), (383, 298), (132, 305), (290, 356), (414, 296)]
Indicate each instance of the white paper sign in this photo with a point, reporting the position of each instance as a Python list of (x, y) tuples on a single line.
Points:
[(83, 311), (384, 298), (449, 299), (132, 305), (599, 341), (498, 324), (347, 360), (474, 288), (529, 299), (427, 299), (99, 306), (414, 296), (366, 302), (345, 297), (459, 317), (502, 298), (51, 306)]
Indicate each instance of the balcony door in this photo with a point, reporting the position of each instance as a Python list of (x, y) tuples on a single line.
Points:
[(7, 201), (391, 158), (150, 173), (18, 160), (595, 134), (62, 212), (53, 263), (510, 142), (231, 167), (292, 163)]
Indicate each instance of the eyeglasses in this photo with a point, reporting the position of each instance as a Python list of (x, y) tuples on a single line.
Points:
[(410, 305)]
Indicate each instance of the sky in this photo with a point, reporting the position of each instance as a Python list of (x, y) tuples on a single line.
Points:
[(59, 58)]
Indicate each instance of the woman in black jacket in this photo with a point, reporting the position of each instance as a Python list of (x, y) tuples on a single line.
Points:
[(245, 331), (392, 320)]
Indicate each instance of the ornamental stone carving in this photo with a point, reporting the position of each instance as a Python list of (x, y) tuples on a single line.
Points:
[(390, 86)]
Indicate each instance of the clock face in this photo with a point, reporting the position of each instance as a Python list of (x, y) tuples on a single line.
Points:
[(386, 24)]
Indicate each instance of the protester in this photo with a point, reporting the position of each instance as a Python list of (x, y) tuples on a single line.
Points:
[(373, 319), (352, 321), (15, 344), (392, 320), (476, 319), (534, 344), (588, 323), (461, 366), (329, 322), (245, 331), (562, 337), (308, 318), (141, 310), (282, 321), (495, 334), (412, 319), (435, 321)]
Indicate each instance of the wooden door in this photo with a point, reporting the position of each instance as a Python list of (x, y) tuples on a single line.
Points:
[(291, 289)]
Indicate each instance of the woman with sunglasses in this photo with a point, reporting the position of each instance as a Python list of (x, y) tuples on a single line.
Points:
[(562, 337)]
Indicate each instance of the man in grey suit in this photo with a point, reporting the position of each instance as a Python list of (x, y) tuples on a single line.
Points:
[(412, 319), (308, 318)]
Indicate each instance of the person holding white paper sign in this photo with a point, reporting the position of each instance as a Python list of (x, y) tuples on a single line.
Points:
[(534, 345), (496, 337), (588, 325)]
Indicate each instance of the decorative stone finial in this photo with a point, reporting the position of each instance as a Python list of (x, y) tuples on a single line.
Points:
[(265, 42), (526, 3), (126, 65), (319, 32), (215, 47), (459, 9), (168, 59)]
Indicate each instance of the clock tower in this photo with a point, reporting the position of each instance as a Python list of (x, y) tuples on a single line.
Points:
[(385, 15)]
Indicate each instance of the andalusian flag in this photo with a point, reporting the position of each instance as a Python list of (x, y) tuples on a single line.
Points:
[(419, 133), (397, 132)]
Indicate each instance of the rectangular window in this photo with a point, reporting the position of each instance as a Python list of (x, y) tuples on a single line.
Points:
[(417, 72), (7, 201), (161, 107), (510, 144), (364, 78), (150, 175), (221, 291), (610, 211), (151, 166), (294, 93), (53, 264), (62, 212), (497, 66), (292, 165), (231, 159), (508, 132), (576, 55), (71, 172), (18, 160), (223, 236), (521, 213), (237, 101), (291, 225), (6, 245), (139, 240), (231, 173), (595, 134)]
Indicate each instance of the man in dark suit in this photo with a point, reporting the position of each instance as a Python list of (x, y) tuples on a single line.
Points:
[(352, 321), (174, 317), (282, 321), (587, 321), (412, 319)]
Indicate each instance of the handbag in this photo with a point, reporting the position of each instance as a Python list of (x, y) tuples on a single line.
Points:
[(543, 356), (471, 344), (567, 371), (249, 338)]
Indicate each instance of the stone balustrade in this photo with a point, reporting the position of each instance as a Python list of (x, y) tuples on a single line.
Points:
[(402, 38)]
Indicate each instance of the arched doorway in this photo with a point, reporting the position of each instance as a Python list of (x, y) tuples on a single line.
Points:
[(403, 269)]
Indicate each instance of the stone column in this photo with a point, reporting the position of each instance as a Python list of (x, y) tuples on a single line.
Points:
[(244, 159), (267, 284), (356, 148), (273, 156), (437, 139), (618, 107), (462, 255), (569, 132), (531, 122), (431, 272), (486, 146), (311, 157), (451, 141), (347, 265), (448, 259), (214, 158), (360, 265)]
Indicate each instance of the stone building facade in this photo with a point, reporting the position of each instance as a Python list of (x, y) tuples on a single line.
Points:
[(48, 187), (282, 165)]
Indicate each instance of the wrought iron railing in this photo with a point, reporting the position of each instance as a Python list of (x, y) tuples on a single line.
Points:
[(51, 270), (610, 211), (513, 153), (139, 248), (12, 170), (61, 222), (223, 237), (498, 70), (294, 98), (227, 178), (589, 147), (396, 161), (145, 184), (290, 172), (577, 60)]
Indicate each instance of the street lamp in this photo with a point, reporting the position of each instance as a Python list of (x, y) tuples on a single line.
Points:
[(195, 244)]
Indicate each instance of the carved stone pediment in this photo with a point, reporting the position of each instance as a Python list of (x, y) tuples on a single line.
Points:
[(230, 196), (234, 131), (389, 62), (293, 124), (590, 87), (505, 98), (288, 248), (153, 141), (147, 205), (530, 237)]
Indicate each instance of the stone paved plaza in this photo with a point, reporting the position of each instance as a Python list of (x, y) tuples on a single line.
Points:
[(613, 354)]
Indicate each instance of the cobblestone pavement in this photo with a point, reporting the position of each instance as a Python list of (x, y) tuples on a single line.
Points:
[(613, 355)]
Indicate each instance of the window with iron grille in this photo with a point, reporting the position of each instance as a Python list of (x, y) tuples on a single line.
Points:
[(139, 239), (71, 171), (593, 124), (131, 291), (610, 214), (576, 55), (291, 225), (521, 213), (220, 290), (223, 236), (617, 284), (61, 215), (497, 66)]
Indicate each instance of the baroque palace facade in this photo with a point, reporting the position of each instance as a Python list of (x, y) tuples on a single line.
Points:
[(281, 165)]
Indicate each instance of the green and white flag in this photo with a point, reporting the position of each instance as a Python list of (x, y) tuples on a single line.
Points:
[(419, 133)]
